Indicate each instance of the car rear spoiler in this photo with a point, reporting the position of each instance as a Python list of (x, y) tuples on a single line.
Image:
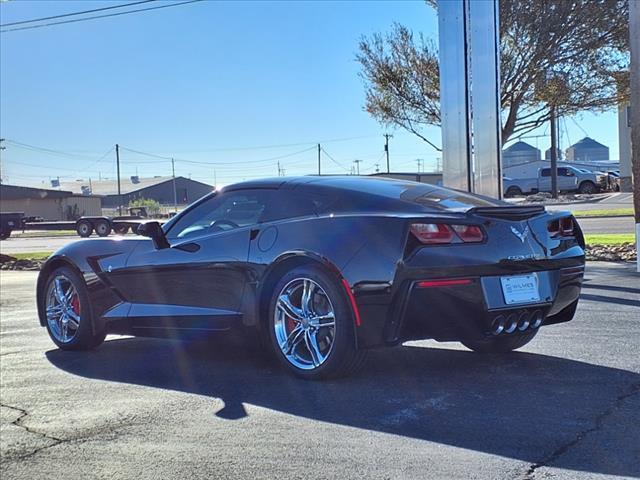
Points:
[(508, 212)]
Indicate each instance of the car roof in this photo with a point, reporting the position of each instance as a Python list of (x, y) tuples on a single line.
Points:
[(368, 184), (385, 189)]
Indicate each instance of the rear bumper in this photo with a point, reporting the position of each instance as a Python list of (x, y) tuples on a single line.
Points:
[(460, 311)]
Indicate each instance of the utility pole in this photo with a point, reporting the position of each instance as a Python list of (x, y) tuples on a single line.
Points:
[(215, 180), (419, 162), (319, 173), (175, 192), (386, 149), (118, 169), (554, 154), (357, 162), (2, 147)]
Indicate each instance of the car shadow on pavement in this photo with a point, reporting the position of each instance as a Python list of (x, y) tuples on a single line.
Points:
[(523, 406)]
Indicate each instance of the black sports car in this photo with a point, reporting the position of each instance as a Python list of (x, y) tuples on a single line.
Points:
[(322, 269)]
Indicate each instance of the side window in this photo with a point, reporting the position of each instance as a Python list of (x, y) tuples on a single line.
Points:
[(563, 172), (545, 172), (221, 213), (293, 204)]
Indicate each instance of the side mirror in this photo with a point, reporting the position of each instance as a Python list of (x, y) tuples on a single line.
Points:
[(153, 230)]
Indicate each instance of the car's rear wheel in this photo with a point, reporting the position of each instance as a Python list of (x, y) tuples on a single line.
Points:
[(68, 311), (311, 325), (587, 187), (513, 192), (84, 228), (500, 344)]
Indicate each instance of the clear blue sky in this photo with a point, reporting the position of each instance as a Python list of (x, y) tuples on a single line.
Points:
[(205, 82)]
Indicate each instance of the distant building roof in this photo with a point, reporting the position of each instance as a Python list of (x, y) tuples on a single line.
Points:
[(110, 187), (588, 142), (17, 192), (520, 147)]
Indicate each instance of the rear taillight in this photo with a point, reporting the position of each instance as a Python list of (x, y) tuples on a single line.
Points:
[(566, 226), (432, 233), (469, 233), (442, 233), (561, 227)]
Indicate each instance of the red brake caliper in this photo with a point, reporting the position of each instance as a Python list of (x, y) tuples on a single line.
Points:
[(290, 324), (75, 304)]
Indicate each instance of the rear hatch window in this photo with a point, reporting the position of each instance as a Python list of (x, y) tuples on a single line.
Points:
[(438, 198)]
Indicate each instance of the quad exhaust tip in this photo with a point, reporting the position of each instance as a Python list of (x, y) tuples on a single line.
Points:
[(520, 321), (536, 319), (497, 327), (511, 324), (523, 321)]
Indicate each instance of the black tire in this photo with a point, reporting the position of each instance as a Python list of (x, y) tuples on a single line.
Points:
[(103, 228), (343, 358), (84, 228), (84, 338), (587, 187), (513, 192), (121, 229), (500, 344), (4, 235)]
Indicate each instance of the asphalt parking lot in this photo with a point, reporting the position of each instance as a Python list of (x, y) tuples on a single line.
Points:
[(566, 406)]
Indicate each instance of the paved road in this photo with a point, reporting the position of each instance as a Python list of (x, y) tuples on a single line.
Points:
[(39, 244), (607, 201), (607, 225), (567, 405)]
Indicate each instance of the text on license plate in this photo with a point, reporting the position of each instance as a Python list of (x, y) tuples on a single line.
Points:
[(520, 289)]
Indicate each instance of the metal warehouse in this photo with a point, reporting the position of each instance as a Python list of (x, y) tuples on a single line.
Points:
[(160, 189), (48, 204)]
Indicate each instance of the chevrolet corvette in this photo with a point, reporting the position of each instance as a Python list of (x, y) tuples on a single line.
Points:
[(322, 269)]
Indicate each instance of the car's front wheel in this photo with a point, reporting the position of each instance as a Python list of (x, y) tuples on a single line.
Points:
[(68, 312), (311, 325), (500, 344)]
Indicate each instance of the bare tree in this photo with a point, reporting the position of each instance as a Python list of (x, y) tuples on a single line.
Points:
[(570, 53)]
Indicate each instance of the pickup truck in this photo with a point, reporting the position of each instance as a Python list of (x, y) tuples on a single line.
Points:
[(570, 179)]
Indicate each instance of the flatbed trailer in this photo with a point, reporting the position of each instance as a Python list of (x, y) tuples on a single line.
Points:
[(84, 226)]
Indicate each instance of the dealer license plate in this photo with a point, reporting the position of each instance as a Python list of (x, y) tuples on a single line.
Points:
[(520, 289)]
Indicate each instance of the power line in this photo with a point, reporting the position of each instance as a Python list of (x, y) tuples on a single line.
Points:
[(281, 145), (43, 149), (42, 19), (194, 162), (578, 125), (335, 161), (99, 16), (49, 167)]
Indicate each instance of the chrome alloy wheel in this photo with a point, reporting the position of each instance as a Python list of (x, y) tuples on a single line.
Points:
[(62, 305), (304, 323)]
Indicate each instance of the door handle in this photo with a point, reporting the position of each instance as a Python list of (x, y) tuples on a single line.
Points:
[(188, 247)]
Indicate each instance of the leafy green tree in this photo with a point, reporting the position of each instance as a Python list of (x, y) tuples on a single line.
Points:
[(572, 53), (152, 206)]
